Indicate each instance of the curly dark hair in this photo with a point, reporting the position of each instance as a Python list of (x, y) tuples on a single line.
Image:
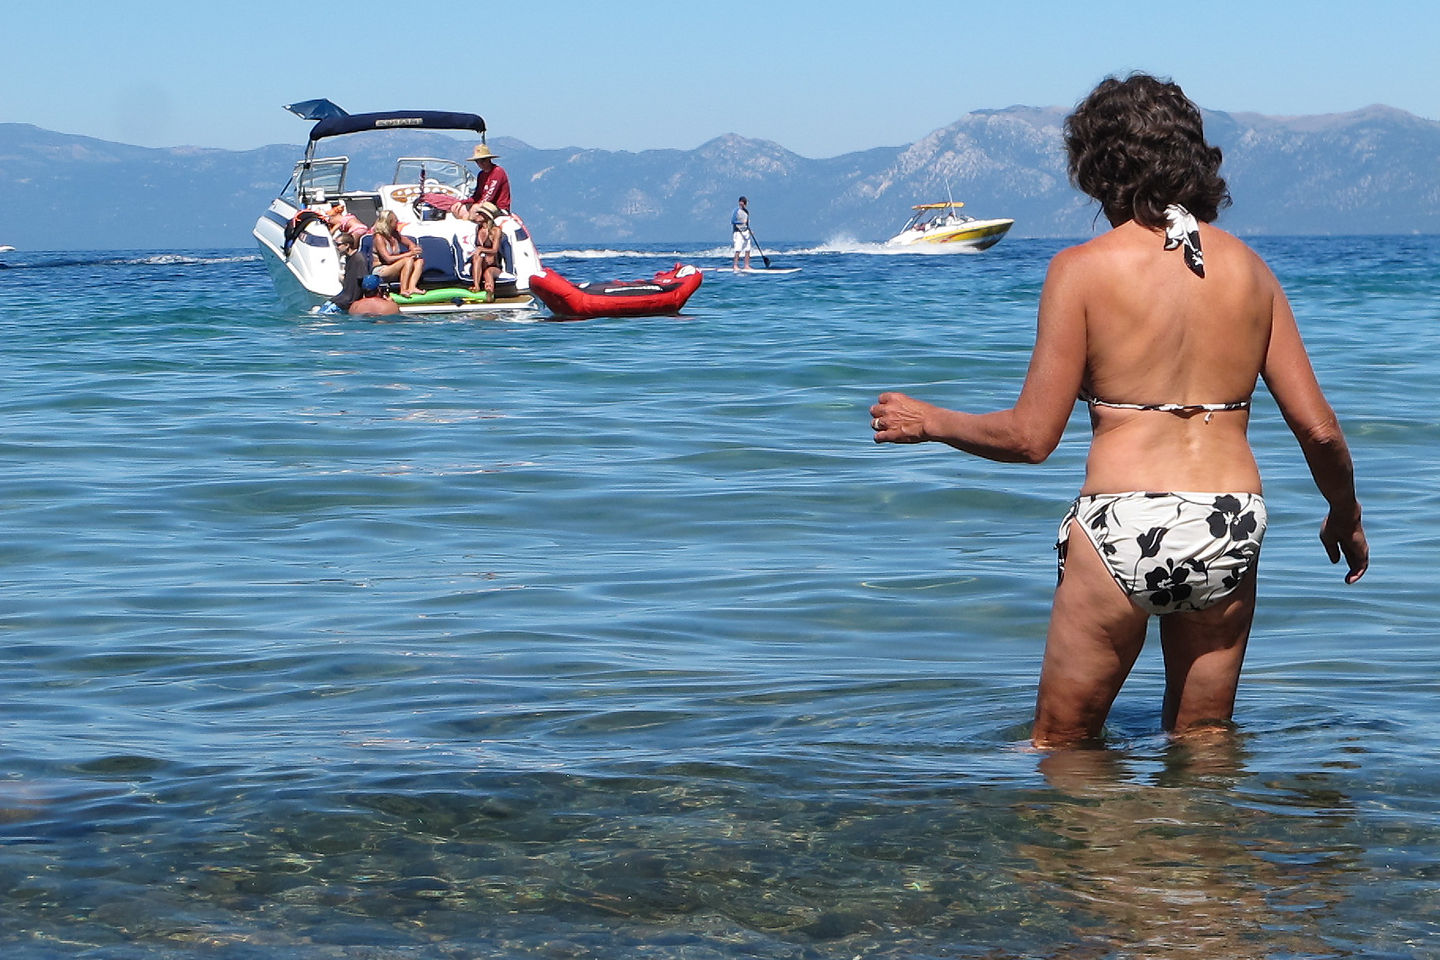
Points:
[(1138, 145)]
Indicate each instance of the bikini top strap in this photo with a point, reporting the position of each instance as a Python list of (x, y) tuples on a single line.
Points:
[(1168, 407)]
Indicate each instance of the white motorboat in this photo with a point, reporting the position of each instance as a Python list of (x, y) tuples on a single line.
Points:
[(300, 252), (944, 224)]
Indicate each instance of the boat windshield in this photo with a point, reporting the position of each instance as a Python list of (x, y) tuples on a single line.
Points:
[(932, 217), (434, 172), (317, 181)]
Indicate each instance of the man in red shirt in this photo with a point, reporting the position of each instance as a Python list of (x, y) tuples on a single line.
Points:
[(494, 184)]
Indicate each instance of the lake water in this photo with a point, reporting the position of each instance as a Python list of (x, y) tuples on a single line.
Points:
[(332, 637)]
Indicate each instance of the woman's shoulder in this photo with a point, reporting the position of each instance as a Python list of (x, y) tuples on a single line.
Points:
[(1096, 255), (1130, 247), (1220, 244)]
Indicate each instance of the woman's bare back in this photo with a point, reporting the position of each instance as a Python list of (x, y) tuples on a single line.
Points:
[(1156, 333)]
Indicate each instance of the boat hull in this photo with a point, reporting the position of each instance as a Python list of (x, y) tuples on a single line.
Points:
[(667, 293), (308, 275)]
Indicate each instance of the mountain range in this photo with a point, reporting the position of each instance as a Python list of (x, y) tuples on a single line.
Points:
[(1369, 171)]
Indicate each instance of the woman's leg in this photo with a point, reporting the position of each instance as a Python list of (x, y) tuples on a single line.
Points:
[(1095, 634), (1204, 651)]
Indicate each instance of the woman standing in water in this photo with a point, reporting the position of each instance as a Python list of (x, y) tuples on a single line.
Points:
[(1162, 326)]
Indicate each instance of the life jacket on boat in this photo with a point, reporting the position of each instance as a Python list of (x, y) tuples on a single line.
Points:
[(297, 226)]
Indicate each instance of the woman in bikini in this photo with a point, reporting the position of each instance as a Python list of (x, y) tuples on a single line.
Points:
[(1162, 326), (485, 260), (397, 257)]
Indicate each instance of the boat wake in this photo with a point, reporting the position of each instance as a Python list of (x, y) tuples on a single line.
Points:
[(609, 254), (844, 244), (173, 259), (835, 245), (49, 261)]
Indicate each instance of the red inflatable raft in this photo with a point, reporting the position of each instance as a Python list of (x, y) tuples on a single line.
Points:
[(667, 293)]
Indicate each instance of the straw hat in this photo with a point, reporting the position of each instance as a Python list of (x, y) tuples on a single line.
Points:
[(482, 152), (488, 208)]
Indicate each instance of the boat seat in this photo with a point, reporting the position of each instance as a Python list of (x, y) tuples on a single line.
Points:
[(507, 255), (441, 257), (365, 206), (367, 250)]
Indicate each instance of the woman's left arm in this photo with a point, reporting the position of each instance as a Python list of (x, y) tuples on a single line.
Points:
[(1030, 430)]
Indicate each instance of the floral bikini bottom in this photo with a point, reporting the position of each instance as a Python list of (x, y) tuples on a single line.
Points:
[(1171, 551)]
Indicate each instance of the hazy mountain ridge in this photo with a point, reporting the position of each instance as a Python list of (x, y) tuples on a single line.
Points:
[(1374, 170)]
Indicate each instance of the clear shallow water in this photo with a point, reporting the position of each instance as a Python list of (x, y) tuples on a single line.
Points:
[(453, 638)]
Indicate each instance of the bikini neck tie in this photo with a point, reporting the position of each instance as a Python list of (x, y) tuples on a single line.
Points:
[(1182, 230)]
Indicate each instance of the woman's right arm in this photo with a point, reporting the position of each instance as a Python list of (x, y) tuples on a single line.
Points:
[(1030, 430), (1292, 382)]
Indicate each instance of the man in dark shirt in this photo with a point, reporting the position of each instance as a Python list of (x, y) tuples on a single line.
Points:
[(352, 283)]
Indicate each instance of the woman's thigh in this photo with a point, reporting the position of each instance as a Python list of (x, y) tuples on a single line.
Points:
[(1204, 652), (1095, 634)]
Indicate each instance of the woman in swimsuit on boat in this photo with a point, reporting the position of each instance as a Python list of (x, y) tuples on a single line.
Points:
[(1162, 326), (397, 257), (485, 260)]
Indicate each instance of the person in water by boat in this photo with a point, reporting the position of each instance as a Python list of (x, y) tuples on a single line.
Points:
[(359, 288), (485, 260), (1162, 326), (397, 256), (356, 270), (740, 233)]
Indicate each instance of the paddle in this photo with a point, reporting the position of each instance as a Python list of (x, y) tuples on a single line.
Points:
[(757, 247)]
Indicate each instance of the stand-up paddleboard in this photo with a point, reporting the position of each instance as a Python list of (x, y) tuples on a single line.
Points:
[(752, 270)]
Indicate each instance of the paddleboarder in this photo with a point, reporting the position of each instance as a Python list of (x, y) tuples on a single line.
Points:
[(740, 234)]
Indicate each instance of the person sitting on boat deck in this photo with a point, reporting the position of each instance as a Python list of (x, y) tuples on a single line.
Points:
[(485, 261), (494, 183), (398, 257), (740, 233), (341, 221)]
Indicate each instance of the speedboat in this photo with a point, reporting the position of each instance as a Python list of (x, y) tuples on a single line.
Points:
[(297, 246), (943, 223)]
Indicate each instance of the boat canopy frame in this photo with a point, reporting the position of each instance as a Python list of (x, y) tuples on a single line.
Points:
[(335, 126)]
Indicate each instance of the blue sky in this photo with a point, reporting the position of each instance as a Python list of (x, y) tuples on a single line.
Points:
[(820, 78)]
